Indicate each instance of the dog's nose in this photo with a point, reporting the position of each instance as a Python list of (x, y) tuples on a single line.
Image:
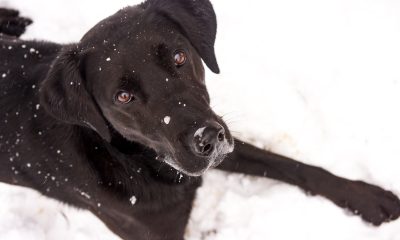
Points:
[(206, 139)]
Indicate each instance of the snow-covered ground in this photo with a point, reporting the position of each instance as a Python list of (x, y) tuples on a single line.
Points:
[(315, 80)]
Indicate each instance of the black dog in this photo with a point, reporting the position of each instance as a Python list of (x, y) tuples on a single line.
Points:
[(120, 123)]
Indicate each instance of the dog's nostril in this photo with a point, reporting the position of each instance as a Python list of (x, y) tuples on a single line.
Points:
[(207, 148), (221, 136)]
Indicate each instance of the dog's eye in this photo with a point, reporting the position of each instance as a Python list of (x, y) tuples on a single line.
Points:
[(124, 97), (180, 57)]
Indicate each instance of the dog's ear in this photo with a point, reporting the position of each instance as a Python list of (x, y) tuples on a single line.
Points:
[(197, 21), (64, 95)]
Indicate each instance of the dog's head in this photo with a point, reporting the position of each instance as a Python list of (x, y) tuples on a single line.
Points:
[(140, 73)]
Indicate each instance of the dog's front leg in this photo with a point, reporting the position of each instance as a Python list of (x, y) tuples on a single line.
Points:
[(372, 203)]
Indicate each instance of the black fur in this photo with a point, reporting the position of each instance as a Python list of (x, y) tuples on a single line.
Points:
[(11, 23), (63, 133)]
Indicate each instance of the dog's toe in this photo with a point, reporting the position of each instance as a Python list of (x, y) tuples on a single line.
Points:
[(374, 204)]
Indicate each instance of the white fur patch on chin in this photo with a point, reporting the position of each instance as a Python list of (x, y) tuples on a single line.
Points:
[(171, 162)]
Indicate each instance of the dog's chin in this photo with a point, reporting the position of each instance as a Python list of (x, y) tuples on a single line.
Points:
[(189, 164), (194, 170), (180, 158), (189, 172)]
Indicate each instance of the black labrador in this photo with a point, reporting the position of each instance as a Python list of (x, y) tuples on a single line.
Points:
[(120, 122)]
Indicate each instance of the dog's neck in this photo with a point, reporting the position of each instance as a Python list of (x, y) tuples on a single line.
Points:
[(131, 156)]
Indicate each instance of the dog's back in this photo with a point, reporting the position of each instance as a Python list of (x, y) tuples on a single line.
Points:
[(23, 65)]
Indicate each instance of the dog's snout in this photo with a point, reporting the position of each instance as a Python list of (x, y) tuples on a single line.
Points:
[(206, 139)]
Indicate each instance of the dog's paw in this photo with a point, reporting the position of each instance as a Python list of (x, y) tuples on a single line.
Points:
[(373, 204), (11, 23)]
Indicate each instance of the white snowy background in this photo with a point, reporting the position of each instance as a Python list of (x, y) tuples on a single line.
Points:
[(315, 80)]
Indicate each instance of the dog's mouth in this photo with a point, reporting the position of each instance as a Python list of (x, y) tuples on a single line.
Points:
[(194, 165), (181, 157), (197, 150)]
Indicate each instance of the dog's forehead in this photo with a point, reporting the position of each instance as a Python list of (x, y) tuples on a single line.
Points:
[(132, 51), (132, 27), (138, 43)]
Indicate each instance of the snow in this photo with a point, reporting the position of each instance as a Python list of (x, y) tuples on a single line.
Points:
[(25, 214), (167, 119), (314, 80), (82, 193), (133, 200)]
